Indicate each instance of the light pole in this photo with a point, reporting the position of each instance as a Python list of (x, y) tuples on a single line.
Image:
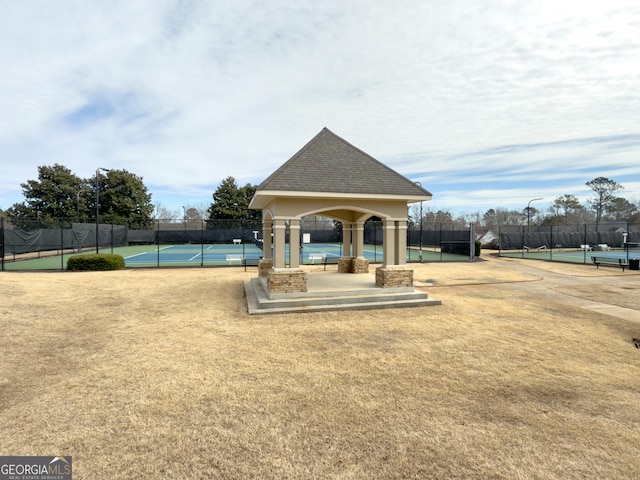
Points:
[(98, 204), (529, 210), (420, 255)]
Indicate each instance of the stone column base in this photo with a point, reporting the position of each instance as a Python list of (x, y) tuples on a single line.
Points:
[(264, 265), (390, 277), (360, 265), (353, 265), (345, 264), (286, 281)]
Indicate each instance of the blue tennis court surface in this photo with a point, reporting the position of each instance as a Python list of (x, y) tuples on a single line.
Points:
[(192, 254), (151, 255)]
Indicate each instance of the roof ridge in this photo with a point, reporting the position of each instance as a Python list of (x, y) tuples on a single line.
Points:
[(369, 156), (294, 156)]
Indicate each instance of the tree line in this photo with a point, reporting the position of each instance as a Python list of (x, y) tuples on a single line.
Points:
[(118, 197), (604, 206), (122, 198), (60, 195)]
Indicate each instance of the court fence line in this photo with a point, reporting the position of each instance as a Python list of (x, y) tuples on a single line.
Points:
[(571, 243), (33, 239)]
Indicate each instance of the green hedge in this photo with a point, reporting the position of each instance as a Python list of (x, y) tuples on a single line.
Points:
[(95, 262)]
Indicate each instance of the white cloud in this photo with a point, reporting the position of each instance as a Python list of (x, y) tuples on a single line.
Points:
[(187, 93)]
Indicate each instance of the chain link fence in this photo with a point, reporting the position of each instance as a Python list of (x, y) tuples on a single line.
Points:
[(23, 242), (571, 243)]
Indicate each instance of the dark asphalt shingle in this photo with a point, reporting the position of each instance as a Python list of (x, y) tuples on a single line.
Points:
[(330, 164)]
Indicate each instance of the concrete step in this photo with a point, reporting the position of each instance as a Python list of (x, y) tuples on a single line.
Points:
[(258, 300)]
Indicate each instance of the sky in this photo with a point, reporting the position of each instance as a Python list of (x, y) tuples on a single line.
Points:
[(486, 103)]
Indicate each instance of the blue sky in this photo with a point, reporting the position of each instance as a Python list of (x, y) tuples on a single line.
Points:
[(487, 103)]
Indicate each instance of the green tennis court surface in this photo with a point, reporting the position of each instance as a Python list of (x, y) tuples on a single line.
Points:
[(573, 255)]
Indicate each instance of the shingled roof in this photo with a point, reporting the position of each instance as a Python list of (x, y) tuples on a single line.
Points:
[(330, 164)]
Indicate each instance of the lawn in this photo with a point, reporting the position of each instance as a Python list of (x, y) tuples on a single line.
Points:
[(162, 374)]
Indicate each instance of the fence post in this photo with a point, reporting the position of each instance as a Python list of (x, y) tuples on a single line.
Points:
[(158, 240), (627, 243), (2, 242), (472, 241), (584, 242), (375, 242), (244, 258), (61, 245)]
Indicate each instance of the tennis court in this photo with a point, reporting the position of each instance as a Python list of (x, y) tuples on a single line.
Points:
[(218, 255), (576, 255), (188, 255), (177, 243)]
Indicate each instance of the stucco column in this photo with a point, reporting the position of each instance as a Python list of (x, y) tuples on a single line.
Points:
[(294, 243), (279, 243), (401, 243), (266, 239), (358, 239), (388, 242), (346, 239), (394, 272), (359, 264)]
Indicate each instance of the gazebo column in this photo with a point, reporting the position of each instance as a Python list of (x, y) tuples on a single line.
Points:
[(401, 243), (266, 262), (394, 272), (281, 279), (388, 242), (345, 263), (346, 239), (279, 243), (360, 264), (294, 243)]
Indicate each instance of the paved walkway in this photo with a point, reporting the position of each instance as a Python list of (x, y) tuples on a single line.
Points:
[(551, 282)]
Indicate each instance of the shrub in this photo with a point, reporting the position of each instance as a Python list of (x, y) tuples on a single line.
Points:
[(478, 248), (95, 262)]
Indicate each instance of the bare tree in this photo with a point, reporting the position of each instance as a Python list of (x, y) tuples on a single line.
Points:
[(162, 212)]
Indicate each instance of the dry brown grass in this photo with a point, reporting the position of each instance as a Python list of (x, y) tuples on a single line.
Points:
[(162, 374)]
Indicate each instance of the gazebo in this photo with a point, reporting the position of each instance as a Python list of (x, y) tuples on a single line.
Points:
[(329, 177)]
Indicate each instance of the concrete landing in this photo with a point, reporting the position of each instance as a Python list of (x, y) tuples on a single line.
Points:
[(329, 291)]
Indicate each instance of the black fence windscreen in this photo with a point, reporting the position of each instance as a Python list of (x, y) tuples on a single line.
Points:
[(31, 238)]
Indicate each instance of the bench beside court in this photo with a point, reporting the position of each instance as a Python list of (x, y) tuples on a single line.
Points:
[(610, 262)]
